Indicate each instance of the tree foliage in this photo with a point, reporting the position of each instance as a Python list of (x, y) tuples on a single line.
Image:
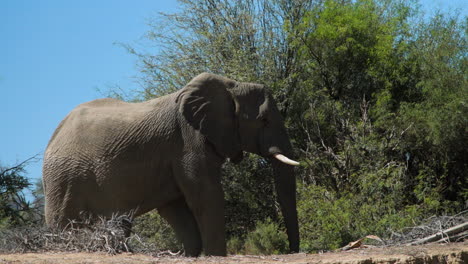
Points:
[(15, 209), (374, 96)]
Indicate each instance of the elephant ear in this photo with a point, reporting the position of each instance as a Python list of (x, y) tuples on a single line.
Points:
[(209, 107)]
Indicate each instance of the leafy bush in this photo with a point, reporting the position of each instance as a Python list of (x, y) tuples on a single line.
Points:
[(15, 209), (327, 221), (266, 239), (156, 231), (235, 245)]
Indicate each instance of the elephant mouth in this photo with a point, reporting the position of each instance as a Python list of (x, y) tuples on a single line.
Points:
[(285, 159)]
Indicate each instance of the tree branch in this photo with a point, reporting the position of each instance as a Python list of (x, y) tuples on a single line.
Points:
[(447, 232)]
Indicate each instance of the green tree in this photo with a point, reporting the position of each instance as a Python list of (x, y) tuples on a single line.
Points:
[(14, 208), (382, 117), (437, 139)]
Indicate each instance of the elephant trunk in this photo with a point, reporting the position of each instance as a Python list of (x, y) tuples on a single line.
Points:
[(285, 185)]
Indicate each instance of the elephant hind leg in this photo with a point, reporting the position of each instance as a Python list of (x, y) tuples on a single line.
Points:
[(179, 216)]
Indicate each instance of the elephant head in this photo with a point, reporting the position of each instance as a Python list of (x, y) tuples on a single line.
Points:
[(236, 117)]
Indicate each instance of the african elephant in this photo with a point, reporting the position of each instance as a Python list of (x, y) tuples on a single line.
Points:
[(111, 156)]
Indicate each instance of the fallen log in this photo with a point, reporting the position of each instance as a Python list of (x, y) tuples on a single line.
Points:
[(454, 238), (444, 233)]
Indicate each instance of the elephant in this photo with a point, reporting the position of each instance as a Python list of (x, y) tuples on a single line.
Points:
[(109, 156)]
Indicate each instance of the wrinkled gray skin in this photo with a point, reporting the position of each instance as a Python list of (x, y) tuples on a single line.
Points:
[(110, 156)]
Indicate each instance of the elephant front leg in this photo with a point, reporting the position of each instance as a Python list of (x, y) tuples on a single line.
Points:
[(180, 217), (210, 219), (201, 186)]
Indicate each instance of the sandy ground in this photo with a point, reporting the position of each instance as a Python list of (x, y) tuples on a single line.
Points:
[(433, 253)]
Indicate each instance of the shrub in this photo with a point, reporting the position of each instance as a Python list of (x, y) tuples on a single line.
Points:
[(156, 231), (328, 221), (266, 239), (235, 245)]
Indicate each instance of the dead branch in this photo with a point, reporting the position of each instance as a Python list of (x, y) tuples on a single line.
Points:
[(454, 238), (440, 235), (83, 235), (19, 166)]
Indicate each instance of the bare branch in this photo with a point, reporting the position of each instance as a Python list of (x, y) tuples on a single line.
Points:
[(447, 232)]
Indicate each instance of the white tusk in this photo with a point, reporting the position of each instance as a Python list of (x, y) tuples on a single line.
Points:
[(285, 159)]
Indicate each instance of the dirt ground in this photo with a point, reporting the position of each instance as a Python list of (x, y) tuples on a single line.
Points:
[(432, 253)]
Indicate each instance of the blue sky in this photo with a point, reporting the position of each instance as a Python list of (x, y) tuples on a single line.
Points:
[(55, 54)]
